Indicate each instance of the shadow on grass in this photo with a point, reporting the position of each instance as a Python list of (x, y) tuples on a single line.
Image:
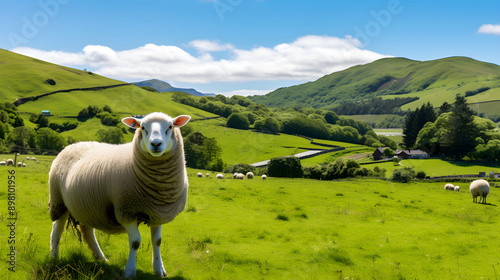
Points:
[(78, 266)]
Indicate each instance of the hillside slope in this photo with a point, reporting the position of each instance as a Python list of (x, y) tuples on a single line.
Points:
[(23, 76), (433, 81)]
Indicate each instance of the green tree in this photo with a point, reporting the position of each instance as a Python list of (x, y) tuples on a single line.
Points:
[(403, 175), (23, 136), (331, 117), (48, 139), (203, 152), (112, 135), (238, 120), (459, 132), (415, 121), (267, 125), (289, 167)]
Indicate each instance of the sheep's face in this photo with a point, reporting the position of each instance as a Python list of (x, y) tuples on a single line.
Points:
[(156, 131)]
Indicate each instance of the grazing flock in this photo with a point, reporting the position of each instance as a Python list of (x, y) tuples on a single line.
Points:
[(10, 162), (236, 175), (478, 188)]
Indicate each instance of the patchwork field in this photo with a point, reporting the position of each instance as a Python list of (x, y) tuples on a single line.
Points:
[(275, 229)]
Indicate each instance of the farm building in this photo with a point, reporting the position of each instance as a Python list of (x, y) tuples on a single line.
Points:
[(379, 153), (46, 113), (413, 154)]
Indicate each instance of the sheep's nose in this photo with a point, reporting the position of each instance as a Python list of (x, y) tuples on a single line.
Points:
[(156, 144)]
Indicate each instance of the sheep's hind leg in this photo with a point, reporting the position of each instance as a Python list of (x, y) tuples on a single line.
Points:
[(89, 237), (55, 236), (134, 240), (157, 261)]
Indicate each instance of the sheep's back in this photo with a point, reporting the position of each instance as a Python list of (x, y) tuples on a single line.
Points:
[(89, 171)]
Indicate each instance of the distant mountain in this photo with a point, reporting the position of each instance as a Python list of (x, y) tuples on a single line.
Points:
[(162, 86), (433, 81)]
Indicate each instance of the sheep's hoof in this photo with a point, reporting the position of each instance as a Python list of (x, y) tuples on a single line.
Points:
[(129, 273), (161, 273)]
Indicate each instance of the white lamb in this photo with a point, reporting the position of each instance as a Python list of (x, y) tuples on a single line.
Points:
[(264, 177), (240, 176), (250, 175), (114, 188), (220, 176), (199, 174), (10, 162), (449, 187), (3, 163), (479, 188), (457, 188)]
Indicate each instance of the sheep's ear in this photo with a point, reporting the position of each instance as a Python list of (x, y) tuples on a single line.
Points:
[(181, 120), (131, 122)]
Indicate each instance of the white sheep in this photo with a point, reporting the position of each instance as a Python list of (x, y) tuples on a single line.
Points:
[(250, 175), (235, 174), (33, 158), (479, 188), (19, 164), (264, 177), (10, 162), (28, 158), (240, 176), (220, 176), (208, 174), (199, 174), (449, 187), (3, 163), (457, 188), (114, 188)]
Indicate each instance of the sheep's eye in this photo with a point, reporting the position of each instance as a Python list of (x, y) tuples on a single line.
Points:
[(170, 127), (144, 130)]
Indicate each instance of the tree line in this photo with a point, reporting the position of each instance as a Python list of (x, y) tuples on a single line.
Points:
[(453, 131)]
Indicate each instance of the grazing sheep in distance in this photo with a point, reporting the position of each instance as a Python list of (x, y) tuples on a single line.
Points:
[(220, 176), (479, 188), (240, 176), (28, 158), (449, 187), (208, 174), (234, 175), (19, 164), (249, 175), (3, 163), (264, 177), (199, 174), (114, 188), (33, 158), (10, 162), (457, 188)]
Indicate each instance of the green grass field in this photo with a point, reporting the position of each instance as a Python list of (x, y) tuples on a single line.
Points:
[(275, 229)]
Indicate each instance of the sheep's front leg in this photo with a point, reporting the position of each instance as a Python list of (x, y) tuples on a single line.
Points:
[(134, 240), (157, 261), (55, 236)]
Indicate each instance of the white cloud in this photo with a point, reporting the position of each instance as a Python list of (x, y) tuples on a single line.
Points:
[(209, 46), (490, 29), (245, 92), (307, 58)]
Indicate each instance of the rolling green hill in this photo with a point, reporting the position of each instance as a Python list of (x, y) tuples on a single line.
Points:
[(23, 76), (433, 81)]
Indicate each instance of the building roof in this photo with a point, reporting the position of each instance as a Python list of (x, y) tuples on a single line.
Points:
[(411, 152)]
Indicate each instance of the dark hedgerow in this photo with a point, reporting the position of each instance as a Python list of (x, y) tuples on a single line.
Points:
[(289, 167)]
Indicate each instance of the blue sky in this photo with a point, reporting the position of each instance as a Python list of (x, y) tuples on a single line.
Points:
[(245, 46)]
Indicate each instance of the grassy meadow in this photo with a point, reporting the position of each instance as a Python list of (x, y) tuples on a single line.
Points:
[(277, 229)]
